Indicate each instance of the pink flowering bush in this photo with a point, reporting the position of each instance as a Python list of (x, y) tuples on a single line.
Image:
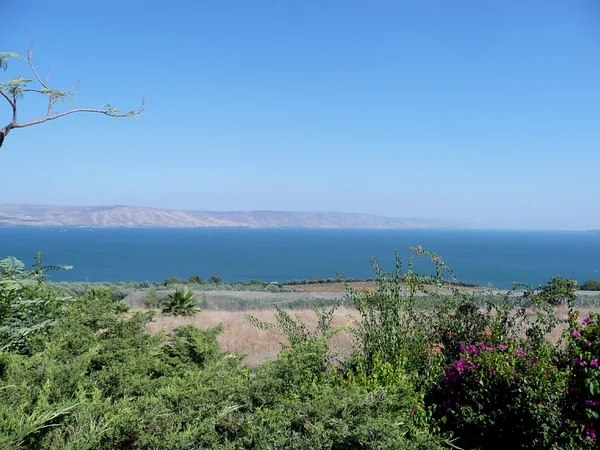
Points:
[(583, 351), (488, 376), (502, 394)]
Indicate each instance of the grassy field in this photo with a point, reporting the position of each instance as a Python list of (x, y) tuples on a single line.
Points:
[(395, 365), (240, 336)]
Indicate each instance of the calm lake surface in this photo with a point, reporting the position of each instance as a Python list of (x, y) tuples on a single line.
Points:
[(475, 256)]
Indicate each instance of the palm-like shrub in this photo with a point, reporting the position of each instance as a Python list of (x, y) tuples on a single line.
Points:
[(27, 306), (181, 303)]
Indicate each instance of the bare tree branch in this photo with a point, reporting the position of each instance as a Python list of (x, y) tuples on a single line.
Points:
[(29, 55), (79, 110), (7, 98), (17, 88), (14, 108)]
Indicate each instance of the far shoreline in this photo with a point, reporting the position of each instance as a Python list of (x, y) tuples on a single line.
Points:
[(238, 227)]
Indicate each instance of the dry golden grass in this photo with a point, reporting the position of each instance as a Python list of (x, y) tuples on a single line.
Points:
[(242, 337), (333, 287)]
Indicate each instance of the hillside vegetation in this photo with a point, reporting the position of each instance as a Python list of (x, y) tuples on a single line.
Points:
[(427, 369)]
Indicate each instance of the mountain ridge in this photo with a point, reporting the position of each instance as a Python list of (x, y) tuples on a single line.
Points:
[(119, 216)]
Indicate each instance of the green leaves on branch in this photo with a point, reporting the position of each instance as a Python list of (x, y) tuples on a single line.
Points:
[(57, 95), (5, 56), (27, 306), (15, 87)]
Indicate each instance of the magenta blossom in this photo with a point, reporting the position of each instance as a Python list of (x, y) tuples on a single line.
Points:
[(591, 403), (594, 362), (470, 348), (576, 335), (519, 352), (586, 320)]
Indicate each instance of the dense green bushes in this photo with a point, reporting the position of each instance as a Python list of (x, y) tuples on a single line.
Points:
[(431, 369), (97, 380), (590, 285)]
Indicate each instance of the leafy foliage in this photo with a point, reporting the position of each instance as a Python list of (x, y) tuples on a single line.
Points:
[(501, 394), (181, 303), (216, 278), (27, 306), (5, 56), (98, 380), (13, 90), (294, 330), (394, 327), (433, 367), (583, 353), (590, 285), (196, 279)]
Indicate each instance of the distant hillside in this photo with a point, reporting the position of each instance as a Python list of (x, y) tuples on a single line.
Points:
[(135, 216)]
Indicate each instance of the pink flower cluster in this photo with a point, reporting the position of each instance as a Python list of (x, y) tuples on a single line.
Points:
[(454, 373), (581, 362), (583, 343), (586, 359)]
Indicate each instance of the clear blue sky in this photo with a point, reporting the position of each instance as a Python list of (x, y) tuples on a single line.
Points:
[(477, 112)]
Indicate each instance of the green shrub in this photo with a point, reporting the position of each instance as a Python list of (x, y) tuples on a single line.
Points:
[(173, 280), (181, 303), (117, 290), (583, 353), (216, 278), (98, 380), (191, 346), (294, 330), (502, 394), (304, 402), (590, 285), (27, 306), (394, 325), (430, 362), (196, 279)]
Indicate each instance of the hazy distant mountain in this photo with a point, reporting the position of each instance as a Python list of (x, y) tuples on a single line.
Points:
[(135, 216)]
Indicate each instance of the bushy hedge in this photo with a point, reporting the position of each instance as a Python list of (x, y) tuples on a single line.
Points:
[(431, 369), (590, 285), (98, 380)]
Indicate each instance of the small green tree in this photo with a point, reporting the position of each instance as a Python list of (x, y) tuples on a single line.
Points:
[(216, 279), (173, 280), (181, 303), (27, 306), (590, 285), (14, 89), (197, 279)]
